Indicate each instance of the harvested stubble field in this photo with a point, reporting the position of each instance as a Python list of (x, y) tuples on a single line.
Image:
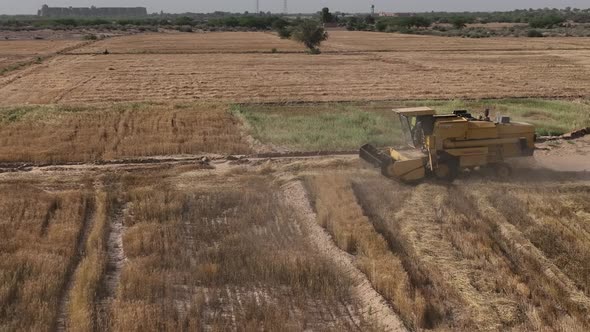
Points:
[(181, 43), (17, 52), (297, 77), (355, 41), (246, 246), (193, 250), (338, 42)]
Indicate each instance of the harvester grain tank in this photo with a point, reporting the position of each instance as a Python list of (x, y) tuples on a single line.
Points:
[(443, 145)]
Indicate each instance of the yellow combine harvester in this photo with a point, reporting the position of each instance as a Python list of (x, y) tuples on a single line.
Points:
[(443, 145)]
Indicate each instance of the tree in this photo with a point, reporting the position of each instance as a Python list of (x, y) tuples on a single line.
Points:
[(546, 21), (381, 26), (420, 22), (184, 20), (282, 28), (459, 22), (280, 24), (409, 22), (326, 15), (311, 34), (284, 33)]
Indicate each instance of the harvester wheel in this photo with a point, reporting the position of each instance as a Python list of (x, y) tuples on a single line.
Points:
[(503, 171), (447, 171), (387, 170)]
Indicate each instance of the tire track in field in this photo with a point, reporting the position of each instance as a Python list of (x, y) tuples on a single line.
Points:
[(74, 87), (115, 261), (373, 306), (49, 217), (64, 298)]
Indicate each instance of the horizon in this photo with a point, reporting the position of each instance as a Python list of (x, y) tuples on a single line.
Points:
[(30, 7)]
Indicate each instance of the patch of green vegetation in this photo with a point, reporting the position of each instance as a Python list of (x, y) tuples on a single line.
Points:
[(47, 112), (14, 114), (346, 126), (319, 127), (550, 117), (36, 112)]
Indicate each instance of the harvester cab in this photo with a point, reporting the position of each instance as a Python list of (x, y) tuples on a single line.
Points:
[(413, 122), (443, 145)]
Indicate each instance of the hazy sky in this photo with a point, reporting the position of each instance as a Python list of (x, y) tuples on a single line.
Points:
[(180, 6)]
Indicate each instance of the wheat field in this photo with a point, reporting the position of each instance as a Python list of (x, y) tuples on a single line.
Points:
[(132, 198)]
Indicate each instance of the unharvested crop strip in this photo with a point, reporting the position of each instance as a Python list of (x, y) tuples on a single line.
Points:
[(440, 303), (393, 100), (62, 311), (53, 207), (374, 307)]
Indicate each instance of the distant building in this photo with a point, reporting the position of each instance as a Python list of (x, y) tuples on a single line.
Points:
[(47, 11), (384, 14)]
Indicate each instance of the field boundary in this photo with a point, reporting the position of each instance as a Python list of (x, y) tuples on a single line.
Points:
[(343, 52)]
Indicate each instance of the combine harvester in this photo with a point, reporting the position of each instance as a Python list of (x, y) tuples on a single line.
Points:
[(443, 145)]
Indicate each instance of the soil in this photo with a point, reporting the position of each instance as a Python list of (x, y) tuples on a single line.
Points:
[(115, 260), (565, 155)]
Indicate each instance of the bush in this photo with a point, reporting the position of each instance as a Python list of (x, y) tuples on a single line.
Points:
[(314, 51), (90, 37), (185, 28), (184, 21), (534, 33)]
